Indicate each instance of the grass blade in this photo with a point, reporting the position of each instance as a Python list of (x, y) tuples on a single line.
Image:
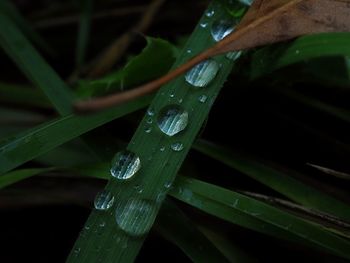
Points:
[(177, 228), (161, 168), (84, 31), (277, 180), (33, 65), (186, 188), (271, 58), (39, 140)]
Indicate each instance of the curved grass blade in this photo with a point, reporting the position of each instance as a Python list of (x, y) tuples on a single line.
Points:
[(33, 66), (161, 156), (271, 58), (39, 140), (277, 180), (203, 195)]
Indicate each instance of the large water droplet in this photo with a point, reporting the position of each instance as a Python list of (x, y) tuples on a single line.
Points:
[(135, 216), (177, 147), (234, 55), (103, 200), (125, 164), (221, 28), (172, 120), (203, 73)]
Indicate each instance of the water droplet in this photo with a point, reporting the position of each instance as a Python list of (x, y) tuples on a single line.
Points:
[(221, 28), (297, 52), (202, 98), (76, 251), (150, 112), (180, 100), (102, 224), (188, 51), (138, 188), (172, 95), (160, 197), (177, 147), (202, 74), (187, 194), (135, 216), (162, 149), (172, 120), (234, 55), (103, 201), (203, 24), (125, 164), (210, 13), (149, 120), (168, 184), (148, 129)]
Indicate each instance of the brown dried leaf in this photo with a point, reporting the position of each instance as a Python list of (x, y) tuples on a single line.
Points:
[(266, 22)]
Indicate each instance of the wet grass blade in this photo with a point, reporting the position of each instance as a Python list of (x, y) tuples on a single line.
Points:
[(209, 197), (274, 57), (32, 143), (161, 156), (84, 31), (277, 180), (33, 66)]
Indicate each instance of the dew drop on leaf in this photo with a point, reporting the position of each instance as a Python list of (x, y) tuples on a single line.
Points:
[(202, 74), (124, 165), (135, 216), (221, 28), (177, 147), (103, 200), (172, 120)]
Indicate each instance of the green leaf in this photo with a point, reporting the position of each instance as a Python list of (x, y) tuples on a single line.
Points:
[(281, 181), (33, 65), (211, 198), (271, 58), (159, 162), (32, 143), (154, 60)]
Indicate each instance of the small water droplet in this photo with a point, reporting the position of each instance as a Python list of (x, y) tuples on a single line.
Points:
[(76, 251), (234, 55), (160, 197), (162, 149), (202, 98), (149, 120), (102, 224), (202, 74), (150, 112), (221, 28), (172, 120), (177, 147), (103, 201), (138, 188), (235, 203), (148, 129), (180, 101), (210, 13), (135, 216), (168, 184), (203, 24), (124, 165), (297, 52), (172, 95), (188, 51)]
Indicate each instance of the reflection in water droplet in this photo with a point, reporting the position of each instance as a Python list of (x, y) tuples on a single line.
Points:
[(234, 55), (202, 74), (221, 28), (135, 216), (202, 98), (203, 24), (177, 147), (210, 13), (103, 201), (168, 184), (124, 165), (172, 120), (150, 112)]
